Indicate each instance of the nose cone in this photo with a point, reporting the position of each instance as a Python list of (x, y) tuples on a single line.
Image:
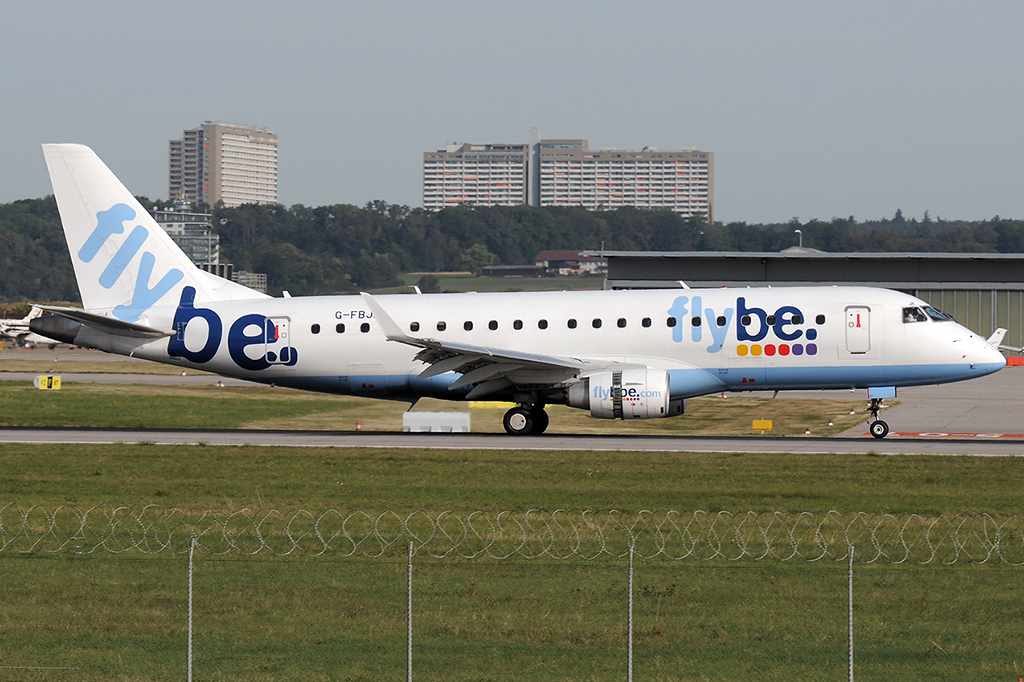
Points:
[(985, 359)]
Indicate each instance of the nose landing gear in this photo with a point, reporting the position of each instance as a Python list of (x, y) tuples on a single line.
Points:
[(526, 420), (878, 428)]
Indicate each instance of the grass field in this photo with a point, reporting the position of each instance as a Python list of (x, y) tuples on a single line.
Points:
[(42, 364), (122, 617), (140, 406), (113, 616)]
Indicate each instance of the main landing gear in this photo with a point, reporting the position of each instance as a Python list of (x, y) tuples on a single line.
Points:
[(526, 420), (878, 428)]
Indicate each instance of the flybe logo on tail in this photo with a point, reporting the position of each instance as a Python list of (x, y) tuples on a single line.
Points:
[(108, 224), (753, 325)]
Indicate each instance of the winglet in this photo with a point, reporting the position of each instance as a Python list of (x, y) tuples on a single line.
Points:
[(997, 337), (391, 329)]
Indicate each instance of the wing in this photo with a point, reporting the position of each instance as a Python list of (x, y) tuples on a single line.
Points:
[(490, 369)]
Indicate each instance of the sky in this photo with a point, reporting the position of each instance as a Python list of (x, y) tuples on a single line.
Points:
[(812, 109)]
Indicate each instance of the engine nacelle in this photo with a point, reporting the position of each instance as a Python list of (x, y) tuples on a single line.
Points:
[(626, 394), (56, 327)]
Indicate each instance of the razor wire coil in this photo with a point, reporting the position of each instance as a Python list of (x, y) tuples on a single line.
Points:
[(555, 534)]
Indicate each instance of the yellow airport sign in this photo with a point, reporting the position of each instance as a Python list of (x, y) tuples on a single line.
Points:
[(47, 383), (762, 425)]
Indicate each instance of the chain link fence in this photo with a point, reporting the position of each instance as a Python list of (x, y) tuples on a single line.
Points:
[(113, 592)]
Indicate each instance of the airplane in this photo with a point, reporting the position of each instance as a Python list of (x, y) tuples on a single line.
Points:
[(19, 332), (635, 354)]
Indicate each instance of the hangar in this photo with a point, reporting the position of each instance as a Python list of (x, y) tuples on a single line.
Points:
[(983, 291)]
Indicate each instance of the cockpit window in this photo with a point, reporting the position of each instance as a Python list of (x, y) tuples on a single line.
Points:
[(937, 315), (913, 314)]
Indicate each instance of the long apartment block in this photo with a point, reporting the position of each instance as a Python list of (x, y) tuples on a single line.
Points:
[(569, 173), (475, 174)]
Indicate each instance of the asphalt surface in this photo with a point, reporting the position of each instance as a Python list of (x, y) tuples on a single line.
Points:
[(890, 446), (980, 417)]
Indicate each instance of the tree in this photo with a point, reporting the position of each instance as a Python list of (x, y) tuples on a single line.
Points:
[(477, 257), (429, 284)]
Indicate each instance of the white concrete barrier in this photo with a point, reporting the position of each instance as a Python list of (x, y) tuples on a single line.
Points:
[(440, 422)]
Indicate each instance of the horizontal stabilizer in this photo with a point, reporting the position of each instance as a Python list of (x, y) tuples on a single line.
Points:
[(109, 325), (997, 337)]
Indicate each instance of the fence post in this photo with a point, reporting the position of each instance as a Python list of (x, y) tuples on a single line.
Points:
[(629, 634), (408, 651), (850, 552), (191, 550)]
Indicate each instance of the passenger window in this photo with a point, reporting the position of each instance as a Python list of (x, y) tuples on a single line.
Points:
[(671, 322), (695, 321), (621, 323), (315, 329), (572, 324), (340, 328), (364, 327), (720, 320), (518, 324), (771, 320), (542, 324), (820, 319), (467, 325), (414, 326), (492, 325), (646, 322), (441, 326), (596, 323), (745, 320), (797, 319)]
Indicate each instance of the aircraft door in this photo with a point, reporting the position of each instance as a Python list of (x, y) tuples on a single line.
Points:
[(858, 329), (279, 345)]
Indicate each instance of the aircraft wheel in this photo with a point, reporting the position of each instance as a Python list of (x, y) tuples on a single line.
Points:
[(540, 420), (879, 429), (518, 422)]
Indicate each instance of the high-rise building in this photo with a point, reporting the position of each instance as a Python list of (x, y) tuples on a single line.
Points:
[(569, 173), (223, 162), (475, 174), (191, 231)]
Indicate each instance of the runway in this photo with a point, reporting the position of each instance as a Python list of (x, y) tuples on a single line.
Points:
[(982, 417), (991, 447)]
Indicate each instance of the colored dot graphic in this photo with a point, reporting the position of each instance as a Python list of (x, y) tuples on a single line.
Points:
[(770, 349)]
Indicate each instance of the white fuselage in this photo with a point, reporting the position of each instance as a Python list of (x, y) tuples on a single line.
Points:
[(746, 339)]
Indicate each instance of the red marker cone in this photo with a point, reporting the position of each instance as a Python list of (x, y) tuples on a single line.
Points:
[(358, 427)]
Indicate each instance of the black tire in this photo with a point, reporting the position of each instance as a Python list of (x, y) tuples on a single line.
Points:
[(540, 420), (879, 429), (518, 422)]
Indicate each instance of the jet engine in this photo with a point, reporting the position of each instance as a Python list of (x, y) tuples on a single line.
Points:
[(626, 394), (55, 327)]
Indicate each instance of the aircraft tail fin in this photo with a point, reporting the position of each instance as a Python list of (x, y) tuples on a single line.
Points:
[(997, 337), (124, 262)]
